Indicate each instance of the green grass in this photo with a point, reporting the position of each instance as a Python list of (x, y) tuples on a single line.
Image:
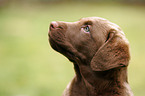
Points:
[(28, 65)]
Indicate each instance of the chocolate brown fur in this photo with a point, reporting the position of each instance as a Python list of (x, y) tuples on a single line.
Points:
[(100, 56)]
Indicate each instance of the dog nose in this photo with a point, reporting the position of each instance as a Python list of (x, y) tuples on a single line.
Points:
[(53, 25)]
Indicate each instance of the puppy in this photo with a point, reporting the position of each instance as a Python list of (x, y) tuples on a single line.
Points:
[(99, 52)]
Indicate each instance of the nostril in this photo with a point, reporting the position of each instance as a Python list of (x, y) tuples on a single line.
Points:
[(51, 26)]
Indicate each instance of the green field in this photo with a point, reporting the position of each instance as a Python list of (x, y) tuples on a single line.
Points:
[(29, 66)]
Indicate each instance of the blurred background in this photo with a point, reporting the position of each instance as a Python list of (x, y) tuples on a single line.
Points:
[(30, 67)]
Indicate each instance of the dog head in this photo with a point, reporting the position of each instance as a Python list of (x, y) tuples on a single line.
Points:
[(93, 40)]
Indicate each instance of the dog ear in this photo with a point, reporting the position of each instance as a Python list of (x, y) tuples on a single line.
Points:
[(112, 54)]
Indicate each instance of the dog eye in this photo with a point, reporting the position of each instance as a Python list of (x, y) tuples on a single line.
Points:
[(86, 29)]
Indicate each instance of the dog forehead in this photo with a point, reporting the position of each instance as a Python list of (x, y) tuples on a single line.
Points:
[(93, 19)]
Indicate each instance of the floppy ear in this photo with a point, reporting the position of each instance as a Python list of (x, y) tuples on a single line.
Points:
[(114, 53)]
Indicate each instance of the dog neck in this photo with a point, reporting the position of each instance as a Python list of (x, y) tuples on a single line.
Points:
[(105, 83)]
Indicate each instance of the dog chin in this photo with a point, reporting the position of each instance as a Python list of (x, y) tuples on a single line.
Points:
[(61, 49)]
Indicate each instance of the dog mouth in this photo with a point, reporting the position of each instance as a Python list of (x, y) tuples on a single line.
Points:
[(62, 48), (58, 42), (67, 50)]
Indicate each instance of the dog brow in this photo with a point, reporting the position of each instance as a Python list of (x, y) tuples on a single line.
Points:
[(88, 22)]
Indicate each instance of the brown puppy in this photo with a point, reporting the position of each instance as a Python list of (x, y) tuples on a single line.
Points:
[(99, 52)]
